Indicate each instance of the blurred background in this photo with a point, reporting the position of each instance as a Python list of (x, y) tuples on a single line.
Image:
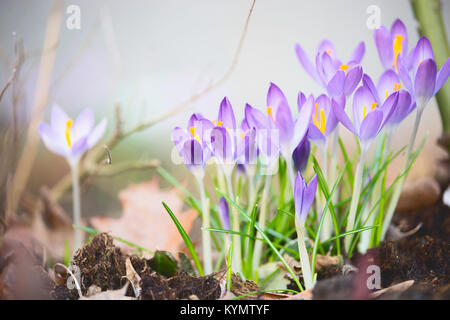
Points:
[(150, 56)]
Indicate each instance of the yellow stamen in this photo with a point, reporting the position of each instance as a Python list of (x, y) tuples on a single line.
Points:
[(387, 94), (374, 104), (420, 62), (364, 112), (397, 86), (219, 124), (193, 131), (69, 124), (344, 68), (242, 135), (269, 112), (397, 49), (329, 51), (319, 122)]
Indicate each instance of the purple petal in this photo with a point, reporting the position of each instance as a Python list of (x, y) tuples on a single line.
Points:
[(301, 99), (422, 52), (302, 123), (298, 195), (96, 134), (383, 42), (224, 213), (306, 63), (58, 120), (352, 80), (358, 53), (442, 75), (389, 107), (336, 85), (300, 155), (79, 147), (425, 82), (387, 84), (342, 117), (362, 99), (51, 140), (284, 122), (398, 28), (275, 97), (367, 82), (308, 197), (402, 109), (328, 47), (83, 124), (371, 125), (404, 76), (192, 154), (255, 118), (179, 136), (226, 114), (221, 144)]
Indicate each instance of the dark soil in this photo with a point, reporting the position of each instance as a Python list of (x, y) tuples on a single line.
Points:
[(103, 265)]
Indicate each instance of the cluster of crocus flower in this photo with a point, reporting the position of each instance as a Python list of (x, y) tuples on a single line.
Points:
[(277, 135), (409, 81)]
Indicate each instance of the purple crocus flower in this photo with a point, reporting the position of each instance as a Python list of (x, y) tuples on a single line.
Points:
[(368, 117), (323, 121), (223, 136), (291, 131), (301, 153), (337, 78), (389, 83), (304, 196), (192, 145), (425, 81), (68, 138), (392, 45), (267, 138), (224, 213)]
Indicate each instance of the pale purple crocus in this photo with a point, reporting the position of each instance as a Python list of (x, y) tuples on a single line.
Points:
[(71, 139), (192, 145), (392, 45), (68, 138), (291, 131), (337, 78), (267, 137), (303, 198), (425, 81), (368, 117), (323, 121), (301, 153), (389, 83)]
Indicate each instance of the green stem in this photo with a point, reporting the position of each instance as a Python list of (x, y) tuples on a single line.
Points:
[(262, 224), (206, 224), (399, 186), (303, 253), (237, 255), (76, 200), (355, 197)]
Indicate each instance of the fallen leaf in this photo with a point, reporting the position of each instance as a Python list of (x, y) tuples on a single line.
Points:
[(304, 295), (395, 289), (144, 220)]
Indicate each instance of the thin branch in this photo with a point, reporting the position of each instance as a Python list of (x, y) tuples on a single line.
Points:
[(18, 60)]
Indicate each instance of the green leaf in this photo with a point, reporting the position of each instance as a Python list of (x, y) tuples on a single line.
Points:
[(164, 263), (267, 240), (185, 264), (186, 239)]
